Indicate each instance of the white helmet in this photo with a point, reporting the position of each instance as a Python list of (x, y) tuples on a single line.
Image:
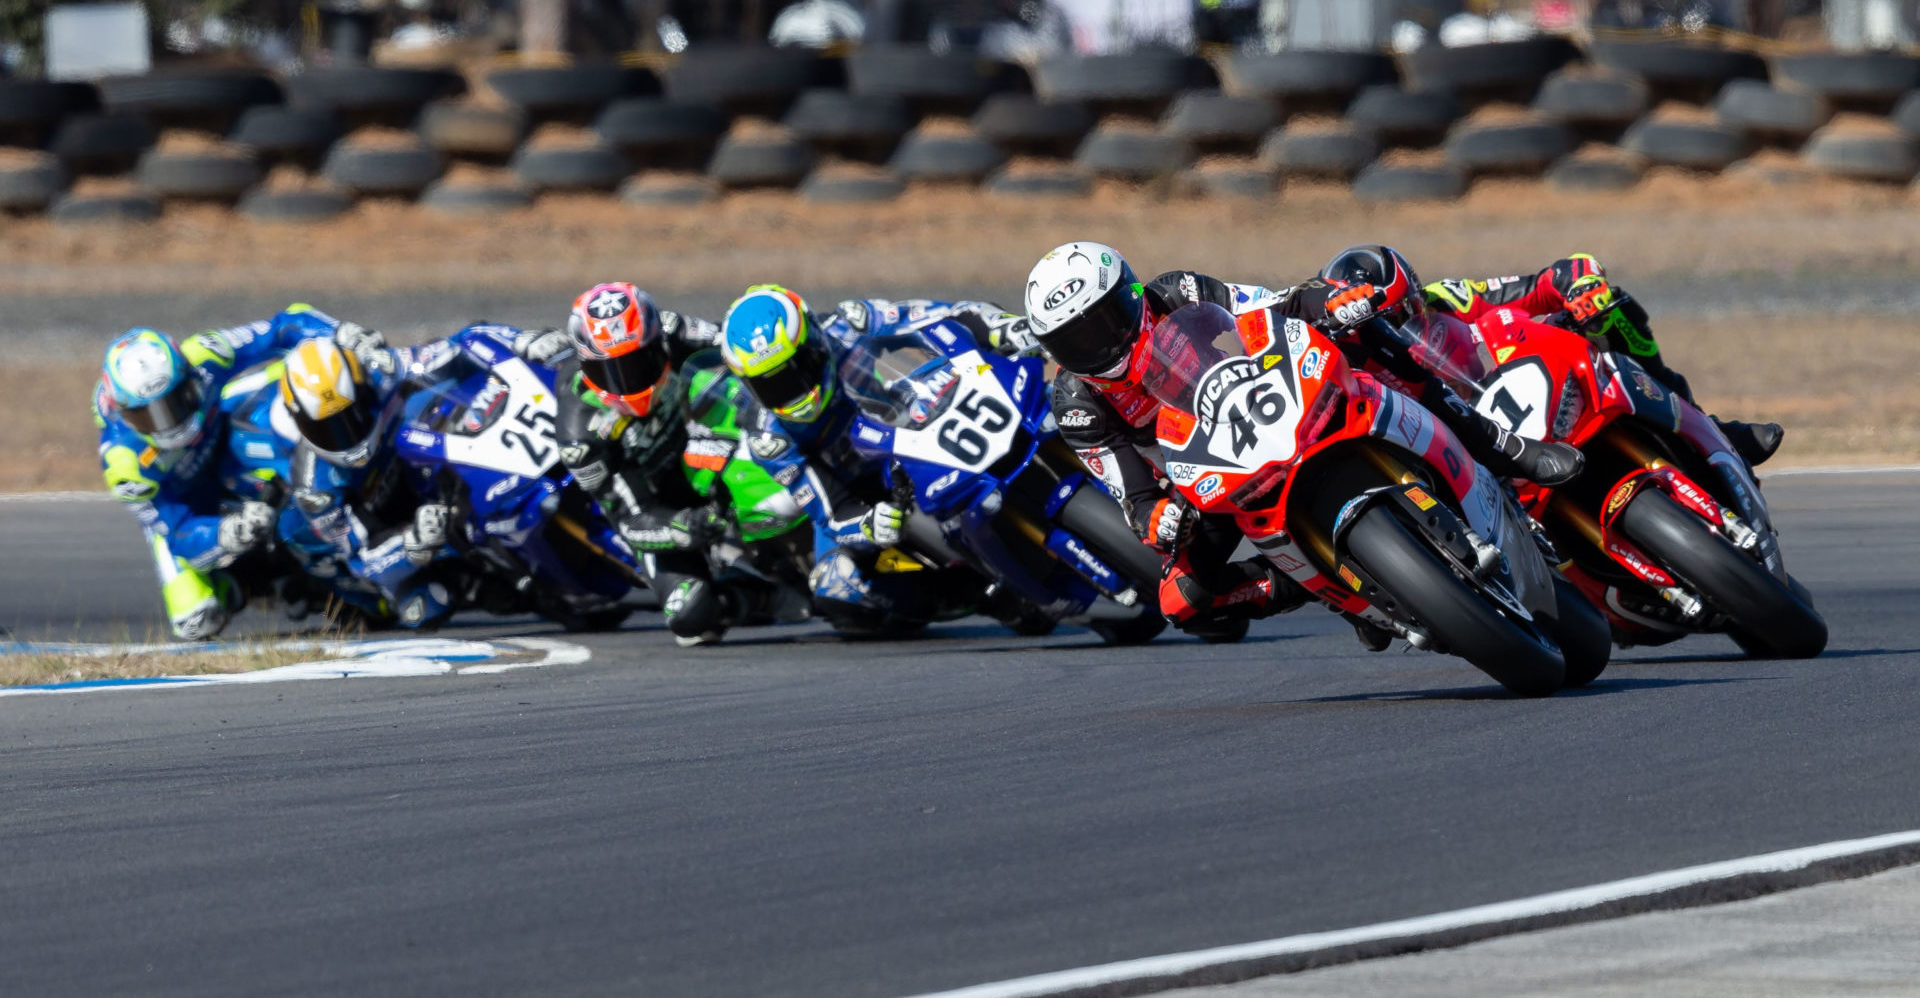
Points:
[(1086, 308), (333, 402)]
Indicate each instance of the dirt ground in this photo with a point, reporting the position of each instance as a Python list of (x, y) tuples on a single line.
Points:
[(1845, 386)]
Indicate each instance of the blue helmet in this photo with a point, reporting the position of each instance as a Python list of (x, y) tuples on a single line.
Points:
[(770, 341), (153, 388)]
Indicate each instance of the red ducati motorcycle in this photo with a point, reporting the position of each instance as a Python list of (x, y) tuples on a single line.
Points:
[(1364, 498), (1666, 528)]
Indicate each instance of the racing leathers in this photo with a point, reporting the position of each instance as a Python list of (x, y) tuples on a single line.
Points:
[(201, 512), (1578, 286), (1111, 422)]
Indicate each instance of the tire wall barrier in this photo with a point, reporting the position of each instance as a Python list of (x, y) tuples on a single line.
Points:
[(872, 124)]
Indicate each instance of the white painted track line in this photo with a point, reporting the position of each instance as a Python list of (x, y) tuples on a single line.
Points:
[(1426, 931)]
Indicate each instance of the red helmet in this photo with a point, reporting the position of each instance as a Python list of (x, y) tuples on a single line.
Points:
[(623, 351), (1389, 273)]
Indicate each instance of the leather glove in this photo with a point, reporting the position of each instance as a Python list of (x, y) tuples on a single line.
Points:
[(541, 346), (882, 524), (1011, 335), (369, 346), (1588, 297), (1353, 305), (1169, 524), (202, 623), (245, 529), (428, 534), (687, 530)]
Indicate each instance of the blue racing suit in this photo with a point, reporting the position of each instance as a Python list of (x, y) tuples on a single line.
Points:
[(179, 496)]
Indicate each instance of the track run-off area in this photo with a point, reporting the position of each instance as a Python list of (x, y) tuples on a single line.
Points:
[(792, 814)]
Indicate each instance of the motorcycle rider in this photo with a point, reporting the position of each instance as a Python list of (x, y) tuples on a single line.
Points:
[(622, 431), (1089, 314), (788, 359), (1576, 285), (162, 447)]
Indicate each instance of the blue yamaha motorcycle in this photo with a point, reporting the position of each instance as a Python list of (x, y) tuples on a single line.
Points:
[(480, 434), (974, 448)]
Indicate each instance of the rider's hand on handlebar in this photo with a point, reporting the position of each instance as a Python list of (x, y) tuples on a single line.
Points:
[(1169, 524), (1353, 305), (1589, 296), (882, 524)]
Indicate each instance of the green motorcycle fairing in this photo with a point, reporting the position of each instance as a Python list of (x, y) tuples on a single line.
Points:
[(714, 462)]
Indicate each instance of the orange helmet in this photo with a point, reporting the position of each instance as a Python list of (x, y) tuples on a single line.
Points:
[(623, 351)]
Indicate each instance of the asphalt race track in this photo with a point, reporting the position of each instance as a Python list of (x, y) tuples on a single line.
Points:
[(792, 815)]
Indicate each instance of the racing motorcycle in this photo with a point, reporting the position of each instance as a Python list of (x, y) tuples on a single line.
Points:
[(1361, 496), (974, 449), (1666, 528), (480, 435)]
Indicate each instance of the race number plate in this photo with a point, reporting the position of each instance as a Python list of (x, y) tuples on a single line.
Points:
[(974, 431), (521, 440)]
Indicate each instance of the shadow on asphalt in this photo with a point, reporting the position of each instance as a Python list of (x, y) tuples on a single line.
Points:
[(1599, 687), (1740, 657)]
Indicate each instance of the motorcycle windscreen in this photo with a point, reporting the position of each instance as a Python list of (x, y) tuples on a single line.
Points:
[(1183, 347), (1450, 348), (898, 379)]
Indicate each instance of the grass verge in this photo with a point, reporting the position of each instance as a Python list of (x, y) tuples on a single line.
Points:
[(134, 662)]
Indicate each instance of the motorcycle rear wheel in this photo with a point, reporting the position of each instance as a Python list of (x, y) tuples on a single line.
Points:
[(1770, 619), (1459, 619), (1586, 642)]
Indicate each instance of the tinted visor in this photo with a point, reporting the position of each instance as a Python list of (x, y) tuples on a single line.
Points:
[(630, 373), (1092, 342), (341, 431), (787, 384), (173, 409)]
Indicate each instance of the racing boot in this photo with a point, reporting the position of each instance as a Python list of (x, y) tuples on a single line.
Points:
[(1507, 455), (1372, 636), (1244, 590), (699, 612), (1754, 442)]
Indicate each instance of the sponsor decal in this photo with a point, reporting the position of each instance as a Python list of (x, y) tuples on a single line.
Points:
[(135, 490), (1352, 580), (1420, 497), (1182, 473), (1620, 495), (485, 407), (609, 303), (1649, 386), (943, 483), (1506, 316), (1096, 465), (803, 493), (787, 475), (872, 435), (255, 448), (502, 487), (1020, 384), (1311, 364), (1075, 418), (1296, 335), (574, 454), (1206, 487), (1288, 563), (1060, 295), (767, 446), (1230, 372), (1500, 356), (1190, 286), (502, 527)]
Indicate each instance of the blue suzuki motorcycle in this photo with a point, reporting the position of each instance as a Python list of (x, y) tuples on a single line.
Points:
[(480, 435), (974, 449)]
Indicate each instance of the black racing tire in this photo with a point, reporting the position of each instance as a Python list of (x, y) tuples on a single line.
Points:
[(1690, 144), (1219, 632), (1132, 155), (368, 95), (1033, 624), (1230, 180), (1870, 81), (105, 209), (1338, 152), (661, 133), (221, 175), (1211, 121), (31, 187), (1036, 182), (930, 82), (1305, 79), (760, 161), (1025, 124), (295, 206), (1494, 71), (1582, 631), (1767, 612), (473, 132), (1138, 82), (1906, 114), (593, 621), (573, 93), (1595, 105), (1754, 645), (865, 128), (836, 187), (383, 171), (471, 198), (668, 189), (206, 99), (1517, 149), (1138, 629), (103, 143), (1889, 156), (1395, 117), (1458, 618), (748, 79), (1595, 173), (571, 168), (1381, 182), (1770, 114), (287, 135), (967, 158), (1679, 70)]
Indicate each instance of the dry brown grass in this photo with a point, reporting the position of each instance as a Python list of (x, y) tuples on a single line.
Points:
[(132, 663)]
